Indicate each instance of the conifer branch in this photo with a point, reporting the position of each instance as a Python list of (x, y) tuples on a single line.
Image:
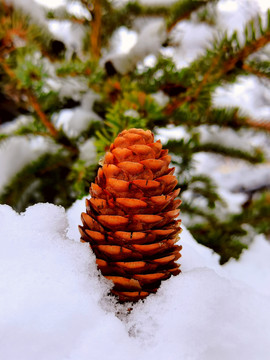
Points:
[(254, 158), (206, 76), (249, 49), (223, 63), (257, 71), (32, 100), (45, 121), (259, 124)]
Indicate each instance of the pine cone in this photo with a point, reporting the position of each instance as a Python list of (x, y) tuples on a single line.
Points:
[(130, 219)]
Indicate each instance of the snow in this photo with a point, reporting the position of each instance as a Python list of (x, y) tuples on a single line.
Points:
[(74, 121), (256, 106), (149, 40), (192, 39), (30, 7), (51, 3), (71, 34), (54, 303), (233, 15), (20, 151)]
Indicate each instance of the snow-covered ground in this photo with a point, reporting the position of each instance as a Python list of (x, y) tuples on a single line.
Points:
[(54, 303)]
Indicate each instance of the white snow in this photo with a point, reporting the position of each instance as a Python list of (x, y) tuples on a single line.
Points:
[(191, 39), (74, 121), (233, 15), (16, 152), (256, 106), (88, 151), (30, 7), (51, 3), (71, 34), (54, 304), (149, 40)]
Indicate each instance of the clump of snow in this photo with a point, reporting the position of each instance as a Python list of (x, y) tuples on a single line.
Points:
[(30, 7), (52, 3), (54, 303), (71, 34), (123, 40), (233, 15), (88, 151), (149, 41), (77, 9), (192, 39), (226, 137), (11, 126), (17, 152), (238, 95), (74, 121), (68, 87), (232, 174), (171, 132), (160, 98)]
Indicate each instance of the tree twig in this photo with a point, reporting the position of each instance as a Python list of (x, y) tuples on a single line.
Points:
[(254, 71), (43, 117), (33, 101), (224, 69), (95, 36)]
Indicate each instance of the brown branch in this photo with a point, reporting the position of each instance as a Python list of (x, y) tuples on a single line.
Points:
[(226, 68), (172, 25), (259, 124), (245, 52), (43, 117), (254, 71), (207, 75), (32, 100), (95, 37)]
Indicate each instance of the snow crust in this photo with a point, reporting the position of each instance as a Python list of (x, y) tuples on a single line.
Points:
[(54, 303)]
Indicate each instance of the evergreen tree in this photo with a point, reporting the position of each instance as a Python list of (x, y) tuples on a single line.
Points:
[(110, 93)]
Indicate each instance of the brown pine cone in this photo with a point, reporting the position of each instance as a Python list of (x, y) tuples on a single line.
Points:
[(130, 219)]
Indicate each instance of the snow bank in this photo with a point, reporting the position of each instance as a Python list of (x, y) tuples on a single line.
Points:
[(54, 303)]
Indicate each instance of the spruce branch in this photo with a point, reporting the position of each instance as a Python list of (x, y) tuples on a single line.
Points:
[(186, 149), (222, 63), (230, 117), (261, 69), (259, 124), (254, 158), (221, 236), (45, 121), (222, 117), (32, 100)]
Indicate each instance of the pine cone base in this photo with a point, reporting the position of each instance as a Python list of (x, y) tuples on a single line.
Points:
[(130, 220)]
